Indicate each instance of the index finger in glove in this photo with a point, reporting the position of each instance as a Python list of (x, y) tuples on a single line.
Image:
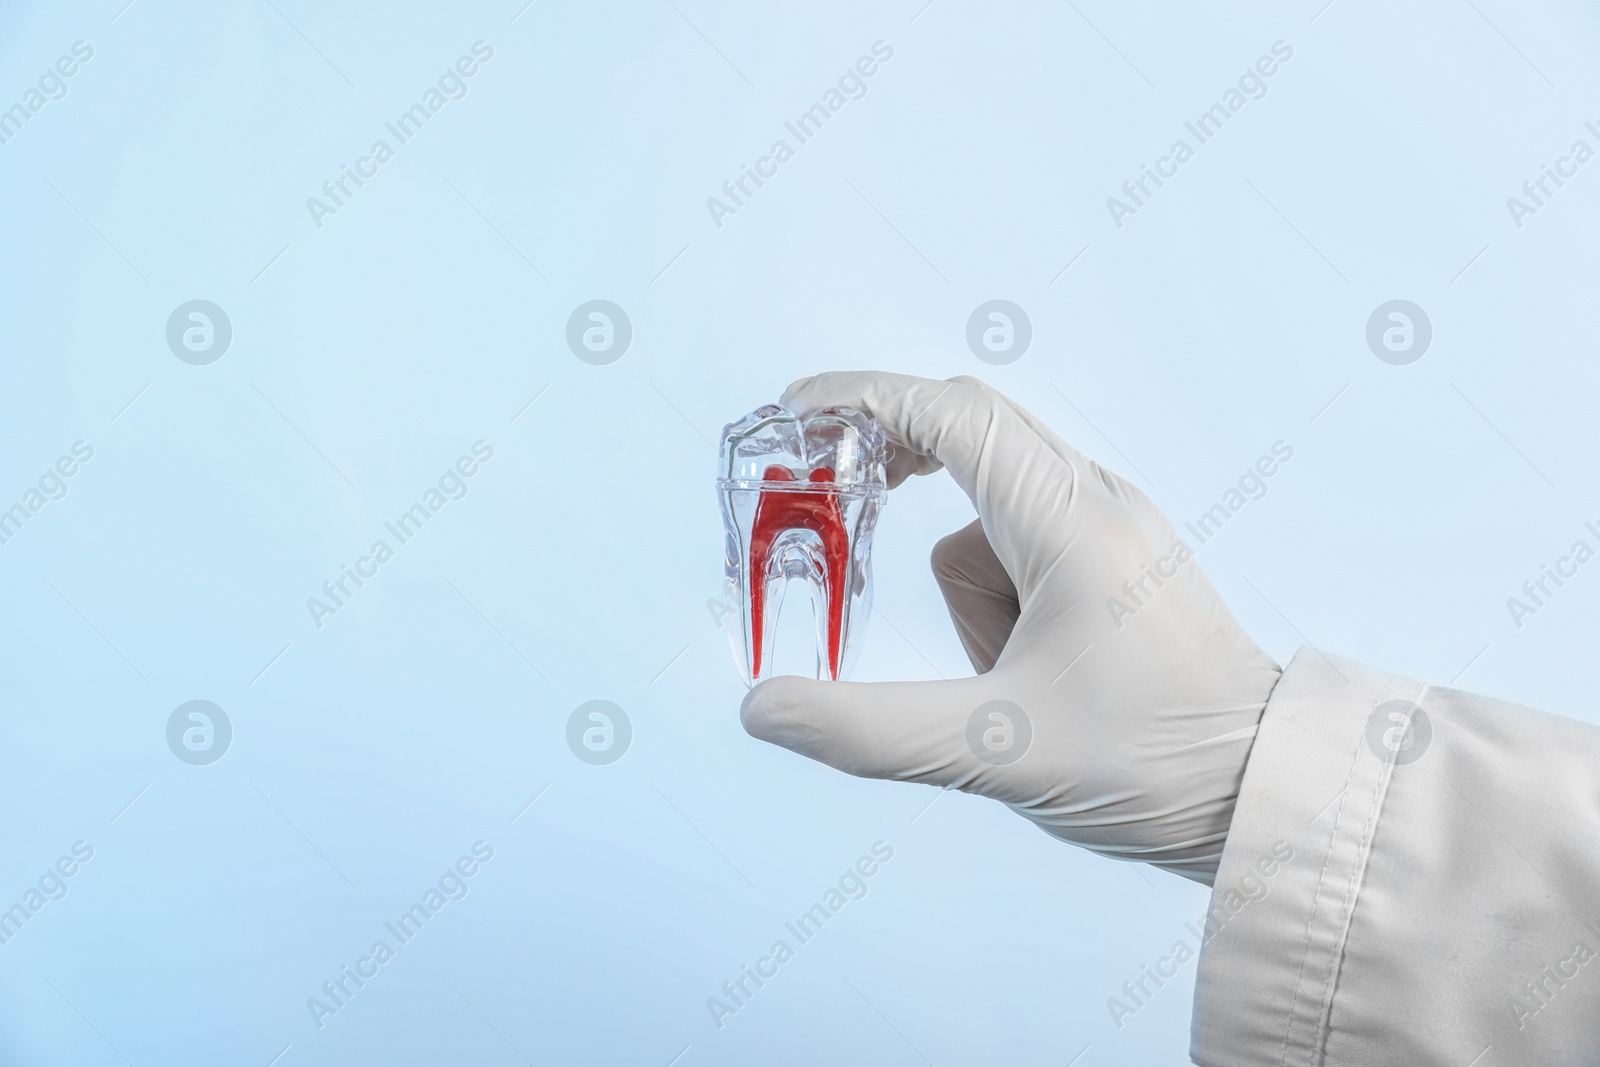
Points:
[(1014, 477)]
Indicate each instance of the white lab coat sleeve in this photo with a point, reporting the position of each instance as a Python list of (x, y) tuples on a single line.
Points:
[(1388, 897)]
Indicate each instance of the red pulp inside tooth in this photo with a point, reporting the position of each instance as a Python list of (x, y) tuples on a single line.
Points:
[(778, 511)]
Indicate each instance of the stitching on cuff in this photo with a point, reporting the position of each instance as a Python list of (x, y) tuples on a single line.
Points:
[(1380, 789), (1380, 793), (1288, 1024)]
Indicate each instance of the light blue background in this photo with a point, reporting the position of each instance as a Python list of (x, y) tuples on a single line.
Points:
[(370, 353)]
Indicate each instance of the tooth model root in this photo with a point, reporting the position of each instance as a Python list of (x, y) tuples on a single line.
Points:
[(778, 512)]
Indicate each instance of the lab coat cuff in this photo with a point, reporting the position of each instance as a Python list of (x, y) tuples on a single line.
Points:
[(1291, 871)]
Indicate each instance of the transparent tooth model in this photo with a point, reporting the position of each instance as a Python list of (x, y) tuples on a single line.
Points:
[(800, 499)]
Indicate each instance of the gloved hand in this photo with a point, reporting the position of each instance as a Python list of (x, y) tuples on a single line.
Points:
[(1129, 695)]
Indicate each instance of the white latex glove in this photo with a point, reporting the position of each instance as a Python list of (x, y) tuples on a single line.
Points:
[(1141, 718)]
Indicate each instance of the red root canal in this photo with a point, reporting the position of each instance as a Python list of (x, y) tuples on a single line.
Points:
[(777, 512)]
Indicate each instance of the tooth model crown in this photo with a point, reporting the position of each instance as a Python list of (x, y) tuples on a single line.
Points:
[(800, 499)]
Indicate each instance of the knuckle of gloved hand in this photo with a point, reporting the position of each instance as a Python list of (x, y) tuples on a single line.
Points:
[(975, 393), (952, 551), (972, 405), (945, 552)]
